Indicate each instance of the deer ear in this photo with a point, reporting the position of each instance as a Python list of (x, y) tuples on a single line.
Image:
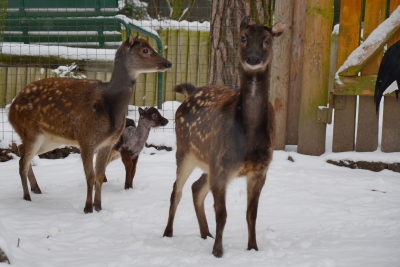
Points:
[(244, 23), (278, 29), (130, 40), (141, 111)]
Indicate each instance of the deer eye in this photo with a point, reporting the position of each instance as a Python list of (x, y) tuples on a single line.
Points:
[(243, 39), (145, 51), (154, 116), (267, 42)]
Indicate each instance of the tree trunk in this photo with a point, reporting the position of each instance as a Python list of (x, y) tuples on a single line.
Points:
[(225, 21)]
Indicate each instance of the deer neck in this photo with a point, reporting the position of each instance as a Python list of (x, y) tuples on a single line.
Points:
[(142, 131), (254, 88), (119, 92)]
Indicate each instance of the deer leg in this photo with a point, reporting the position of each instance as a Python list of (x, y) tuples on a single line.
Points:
[(101, 164), (200, 189), (185, 166), (31, 176), (129, 168), (255, 183), (27, 151), (133, 171), (87, 160), (218, 188)]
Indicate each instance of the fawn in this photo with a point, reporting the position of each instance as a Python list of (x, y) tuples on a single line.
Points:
[(133, 139), (85, 113), (228, 133)]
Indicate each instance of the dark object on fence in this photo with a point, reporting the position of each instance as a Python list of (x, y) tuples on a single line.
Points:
[(228, 134), (87, 113), (389, 71), (133, 139)]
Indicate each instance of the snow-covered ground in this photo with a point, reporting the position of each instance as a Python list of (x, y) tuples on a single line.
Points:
[(311, 213)]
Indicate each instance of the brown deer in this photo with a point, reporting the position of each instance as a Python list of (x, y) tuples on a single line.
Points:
[(133, 139), (85, 113), (227, 133)]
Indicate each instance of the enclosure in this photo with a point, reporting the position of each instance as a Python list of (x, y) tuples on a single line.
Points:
[(311, 213), (39, 38)]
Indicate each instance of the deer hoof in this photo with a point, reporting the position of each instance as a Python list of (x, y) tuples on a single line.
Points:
[(97, 207), (254, 246), (217, 251), (168, 233), (88, 209), (128, 186), (207, 235), (27, 197), (36, 190)]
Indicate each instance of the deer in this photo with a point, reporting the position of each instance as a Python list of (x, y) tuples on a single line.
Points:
[(227, 133), (133, 139), (89, 114)]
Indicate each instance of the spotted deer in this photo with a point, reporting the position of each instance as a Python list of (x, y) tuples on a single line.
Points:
[(227, 133), (133, 139), (85, 113)]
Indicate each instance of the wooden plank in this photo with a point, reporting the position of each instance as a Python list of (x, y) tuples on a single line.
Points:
[(21, 79), (181, 60), (391, 108), (100, 75), (164, 39), (368, 120), (279, 79), (11, 86), (390, 125), (151, 90), (319, 18), (203, 70), (30, 75), (345, 118), (296, 70), (139, 92), (394, 4), (170, 75), (3, 86), (359, 85), (193, 57)]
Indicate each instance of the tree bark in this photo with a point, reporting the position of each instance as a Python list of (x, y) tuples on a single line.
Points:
[(225, 21)]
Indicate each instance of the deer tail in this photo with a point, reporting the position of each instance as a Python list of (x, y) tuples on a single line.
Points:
[(185, 88)]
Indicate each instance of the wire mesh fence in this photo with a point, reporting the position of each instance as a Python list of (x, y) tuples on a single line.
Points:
[(78, 39)]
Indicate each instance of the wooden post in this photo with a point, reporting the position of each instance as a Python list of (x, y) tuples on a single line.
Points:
[(368, 120), (296, 71), (280, 70), (314, 93), (345, 106), (391, 122)]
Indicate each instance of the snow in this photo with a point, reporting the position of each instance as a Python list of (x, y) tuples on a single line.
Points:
[(311, 213)]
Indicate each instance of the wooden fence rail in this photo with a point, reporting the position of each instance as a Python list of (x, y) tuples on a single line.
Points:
[(345, 135)]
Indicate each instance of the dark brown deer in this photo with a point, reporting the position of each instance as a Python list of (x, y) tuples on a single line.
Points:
[(227, 133), (133, 139), (85, 113)]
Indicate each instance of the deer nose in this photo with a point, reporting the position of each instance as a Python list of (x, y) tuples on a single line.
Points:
[(253, 60), (168, 64), (164, 122)]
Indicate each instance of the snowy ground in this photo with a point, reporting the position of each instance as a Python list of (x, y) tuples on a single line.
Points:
[(311, 214)]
